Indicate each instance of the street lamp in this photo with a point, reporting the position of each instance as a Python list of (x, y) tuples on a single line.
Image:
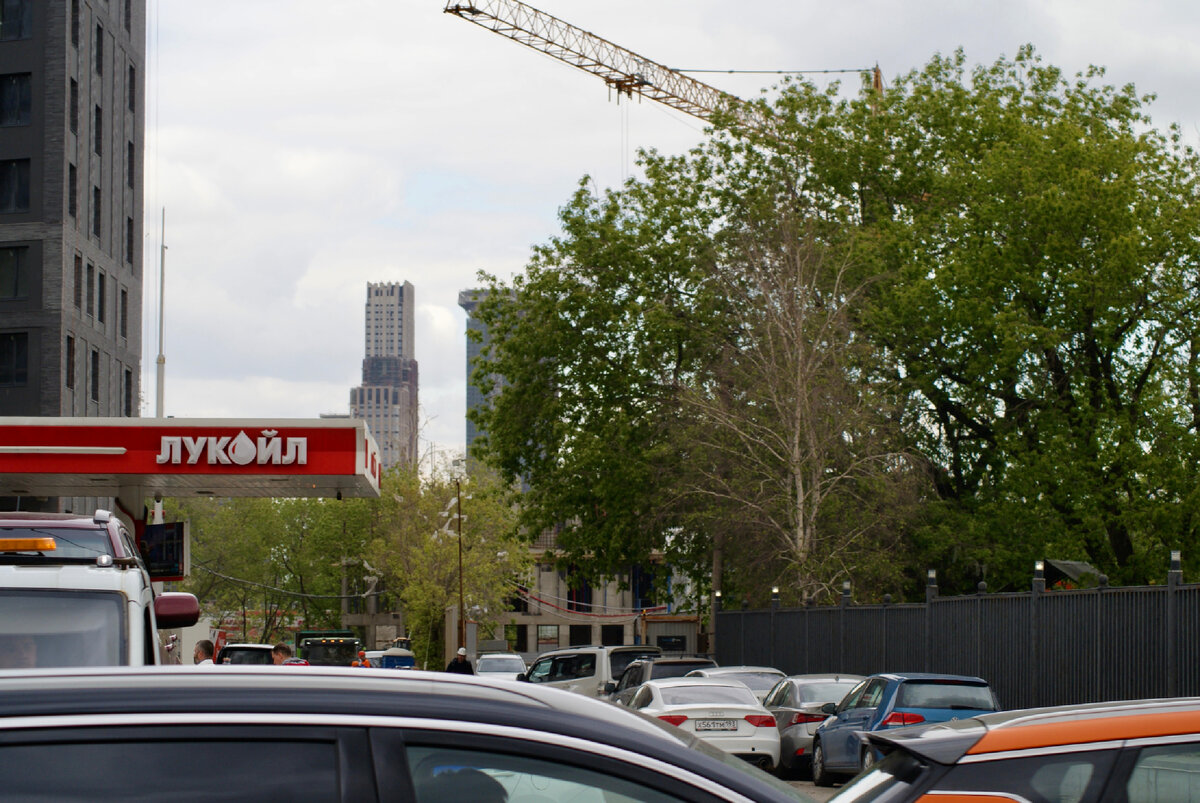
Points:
[(462, 605)]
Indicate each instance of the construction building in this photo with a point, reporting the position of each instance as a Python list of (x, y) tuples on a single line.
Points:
[(387, 399)]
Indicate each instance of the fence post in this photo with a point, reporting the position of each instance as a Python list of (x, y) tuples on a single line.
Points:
[(980, 590), (1038, 588), (774, 608), (1174, 576), (931, 592), (843, 604), (716, 609)]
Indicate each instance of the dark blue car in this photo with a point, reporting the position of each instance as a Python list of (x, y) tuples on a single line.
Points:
[(886, 701)]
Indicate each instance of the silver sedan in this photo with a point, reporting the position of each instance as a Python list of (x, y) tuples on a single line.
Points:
[(796, 702)]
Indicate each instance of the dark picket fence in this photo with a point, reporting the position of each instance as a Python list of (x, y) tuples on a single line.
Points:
[(1035, 648)]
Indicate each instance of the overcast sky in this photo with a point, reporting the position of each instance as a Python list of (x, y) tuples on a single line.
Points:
[(301, 149)]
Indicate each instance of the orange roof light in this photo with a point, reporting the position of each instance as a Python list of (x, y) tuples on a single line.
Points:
[(38, 544)]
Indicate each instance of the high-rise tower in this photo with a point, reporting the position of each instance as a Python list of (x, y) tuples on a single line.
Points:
[(387, 398)]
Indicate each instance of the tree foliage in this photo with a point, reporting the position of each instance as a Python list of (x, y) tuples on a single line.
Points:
[(271, 564), (952, 324)]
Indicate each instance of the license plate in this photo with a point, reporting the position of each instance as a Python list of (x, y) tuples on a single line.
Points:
[(716, 724)]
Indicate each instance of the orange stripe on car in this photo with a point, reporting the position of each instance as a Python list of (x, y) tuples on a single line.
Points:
[(1087, 729)]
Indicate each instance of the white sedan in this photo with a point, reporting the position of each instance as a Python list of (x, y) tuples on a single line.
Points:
[(724, 713)]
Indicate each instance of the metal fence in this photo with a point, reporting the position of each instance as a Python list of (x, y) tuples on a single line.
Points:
[(1036, 648)]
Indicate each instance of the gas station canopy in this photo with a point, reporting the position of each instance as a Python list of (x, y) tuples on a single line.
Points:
[(133, 459)]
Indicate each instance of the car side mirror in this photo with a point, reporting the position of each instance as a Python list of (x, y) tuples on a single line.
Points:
[(829, 708), (174, 609), (610, 687), (524, 677)]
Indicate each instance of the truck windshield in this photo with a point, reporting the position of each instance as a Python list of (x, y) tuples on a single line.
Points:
[(61, 628), (70, 542), (330, 652)]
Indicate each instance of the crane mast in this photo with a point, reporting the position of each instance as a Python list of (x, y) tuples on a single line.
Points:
[(623, 70)]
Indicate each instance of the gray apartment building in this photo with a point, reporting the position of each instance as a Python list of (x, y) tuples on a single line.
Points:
[(71, 138), (72, 123), (387, 399)]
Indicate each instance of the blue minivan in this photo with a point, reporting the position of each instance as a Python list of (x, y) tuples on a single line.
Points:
[(890, 700)]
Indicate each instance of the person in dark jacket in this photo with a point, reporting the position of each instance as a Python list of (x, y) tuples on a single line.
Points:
[(460, 664)]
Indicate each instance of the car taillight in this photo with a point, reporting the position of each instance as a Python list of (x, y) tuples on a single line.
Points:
[(761, 720), (806, 719), (899, 718), (673, 719)]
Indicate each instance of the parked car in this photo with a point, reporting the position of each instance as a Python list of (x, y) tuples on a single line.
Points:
[(723, 713), (245, 654), (588, 670), (760, 679), (506, 665), (885, 701), (643, 669), (335, 733), (796, 702), (1135, 751)]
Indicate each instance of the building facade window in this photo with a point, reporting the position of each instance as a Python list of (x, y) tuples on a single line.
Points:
[(132, 88), (129, 15), (69, 363), (91, 288), (128, 394), (16, 19), (95, 379), (129, 240), (129, 155), (99, 50), (14, 185), (16, 98), (96, 216), (123, 314), (72, 190), (101, 297), (98, 130), (74, 107), (13, 268), (14, 358), (75, 22), (79, 282)]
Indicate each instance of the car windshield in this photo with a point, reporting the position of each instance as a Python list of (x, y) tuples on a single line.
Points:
[(69, 542), (703, 694), (330, 652), (825, 692), (926, 694), (61, 628), (759, 681), (500, 663)]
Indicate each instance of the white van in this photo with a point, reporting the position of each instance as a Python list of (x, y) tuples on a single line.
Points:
[(593, 671)]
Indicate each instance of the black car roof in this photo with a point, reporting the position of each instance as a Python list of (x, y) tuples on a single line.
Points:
[(357, 692)]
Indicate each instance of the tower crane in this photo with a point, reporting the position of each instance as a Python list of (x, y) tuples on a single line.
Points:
[(623, 70)]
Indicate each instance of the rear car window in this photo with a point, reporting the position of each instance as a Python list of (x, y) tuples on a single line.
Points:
[(759, 681), (619, 661), (235, 656), (924, 694), (701, 695), (674, 670), (194, 768), (825, 692)]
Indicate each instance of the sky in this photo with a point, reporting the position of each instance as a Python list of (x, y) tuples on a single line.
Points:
[(298, 150)]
